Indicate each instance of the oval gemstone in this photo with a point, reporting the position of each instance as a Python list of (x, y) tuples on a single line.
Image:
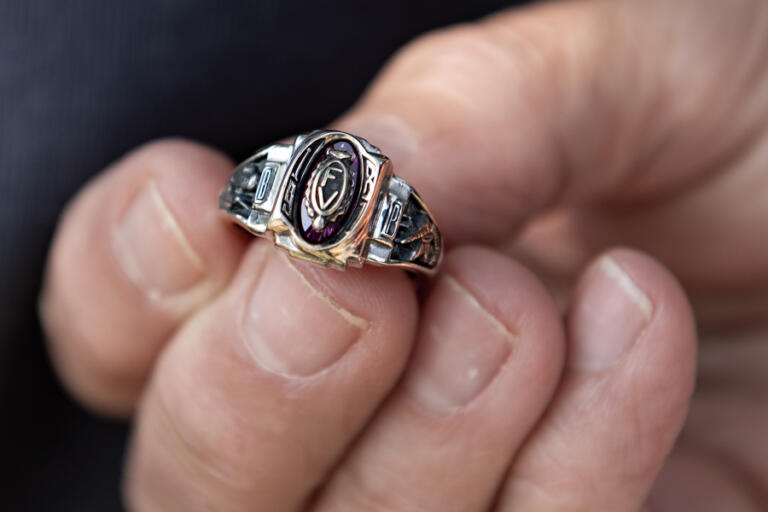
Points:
[(328, 193)]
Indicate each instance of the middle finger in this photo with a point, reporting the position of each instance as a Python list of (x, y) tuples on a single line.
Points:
[(259, 395)]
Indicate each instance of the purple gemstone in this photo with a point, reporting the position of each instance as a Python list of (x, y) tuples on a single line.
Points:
[(332, 228)]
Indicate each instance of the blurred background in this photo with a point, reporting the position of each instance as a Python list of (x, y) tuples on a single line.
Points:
[(81, 83)]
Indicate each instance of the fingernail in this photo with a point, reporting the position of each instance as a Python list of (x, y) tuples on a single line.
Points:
[(151, 247), (291, 327), (608, 317), (461, 350), (396, 139)]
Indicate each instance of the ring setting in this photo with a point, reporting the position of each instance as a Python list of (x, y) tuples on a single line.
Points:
[(331, 198)]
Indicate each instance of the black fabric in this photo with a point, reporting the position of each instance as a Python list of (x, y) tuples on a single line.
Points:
[(81, 82)]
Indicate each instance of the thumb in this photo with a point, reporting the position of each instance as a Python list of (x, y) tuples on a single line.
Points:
[(497, 120), (471, 115)]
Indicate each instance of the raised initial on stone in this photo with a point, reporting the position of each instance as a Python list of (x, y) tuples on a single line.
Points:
[(329, 188)]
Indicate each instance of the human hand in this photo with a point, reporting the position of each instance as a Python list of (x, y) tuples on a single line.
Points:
[(554, 133)]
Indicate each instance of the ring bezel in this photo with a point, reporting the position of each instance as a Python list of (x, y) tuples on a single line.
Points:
[(350, 244)]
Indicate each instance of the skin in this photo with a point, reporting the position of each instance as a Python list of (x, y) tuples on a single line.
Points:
[(548, 370)]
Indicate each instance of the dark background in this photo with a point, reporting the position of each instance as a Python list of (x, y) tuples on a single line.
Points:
[(82, 82)]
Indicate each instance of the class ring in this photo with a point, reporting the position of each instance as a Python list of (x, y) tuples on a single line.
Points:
[(332, 199)]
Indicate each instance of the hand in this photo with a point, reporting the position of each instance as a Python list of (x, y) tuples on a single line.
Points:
[(552, 133)]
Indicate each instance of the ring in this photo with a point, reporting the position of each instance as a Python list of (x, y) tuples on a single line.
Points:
[(331, 198)]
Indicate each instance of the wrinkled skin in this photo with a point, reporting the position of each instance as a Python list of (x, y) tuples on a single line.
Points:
[(552, 135)]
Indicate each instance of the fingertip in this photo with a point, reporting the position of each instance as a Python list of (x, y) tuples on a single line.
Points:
[(487, 330), (622, 299), (268, 386), (630, 320), (501, 320), (624, 395), (511, 293), (136, 251)]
